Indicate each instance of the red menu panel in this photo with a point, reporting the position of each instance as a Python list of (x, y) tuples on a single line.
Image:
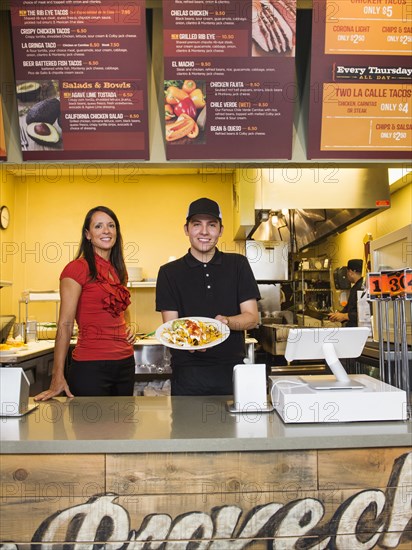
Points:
[(81, 80), (229, 78), (361, 74)]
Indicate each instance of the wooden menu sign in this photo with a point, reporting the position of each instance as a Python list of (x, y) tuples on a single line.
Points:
[(360, 90), (81, 80), (229, 78)]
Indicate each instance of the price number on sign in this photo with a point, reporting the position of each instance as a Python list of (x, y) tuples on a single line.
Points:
[(408, 284), (374, 286), (387, 10), (394, 283)]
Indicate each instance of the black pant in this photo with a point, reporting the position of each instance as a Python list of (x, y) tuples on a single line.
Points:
[(101, 378), (203, 380)]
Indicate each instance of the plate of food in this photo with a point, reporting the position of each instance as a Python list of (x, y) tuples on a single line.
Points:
[(192, 333)]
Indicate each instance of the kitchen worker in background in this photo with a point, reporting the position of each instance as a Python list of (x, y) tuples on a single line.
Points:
[(93, 291), (349, 314), (208, 283)]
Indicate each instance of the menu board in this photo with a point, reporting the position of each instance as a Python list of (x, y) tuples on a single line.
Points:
[(229, 78), (3, 153), (81, 83), (361, 75)]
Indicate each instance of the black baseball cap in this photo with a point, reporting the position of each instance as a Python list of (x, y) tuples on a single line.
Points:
[(355, 265), (204, 206)]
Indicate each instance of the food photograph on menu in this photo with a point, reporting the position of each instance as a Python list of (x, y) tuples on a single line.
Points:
[(185, 111), (273, 27), (38, 104)]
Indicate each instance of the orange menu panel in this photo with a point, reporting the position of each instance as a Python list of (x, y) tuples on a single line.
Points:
[(366, 117), (377, 27)]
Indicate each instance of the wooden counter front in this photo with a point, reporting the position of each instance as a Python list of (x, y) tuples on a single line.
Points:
[(134, 473)]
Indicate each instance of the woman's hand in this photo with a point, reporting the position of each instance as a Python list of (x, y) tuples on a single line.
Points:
[(56, 388), (130, 334)]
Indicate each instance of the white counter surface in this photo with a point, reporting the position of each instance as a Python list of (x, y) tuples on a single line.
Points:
[(179, 424), (34, 349)]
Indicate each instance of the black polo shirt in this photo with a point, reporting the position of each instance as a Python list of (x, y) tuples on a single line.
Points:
[(194, 288), (351, 307)]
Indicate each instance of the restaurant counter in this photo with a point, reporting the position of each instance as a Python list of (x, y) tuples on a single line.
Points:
[(136, 470)]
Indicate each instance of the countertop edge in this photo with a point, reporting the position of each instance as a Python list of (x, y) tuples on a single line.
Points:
[(198, 445)]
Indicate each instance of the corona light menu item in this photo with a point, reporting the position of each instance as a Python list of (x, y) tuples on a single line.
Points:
[(361, 75), (229, 78), (81, 82)]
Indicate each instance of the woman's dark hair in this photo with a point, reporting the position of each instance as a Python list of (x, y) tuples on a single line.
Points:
[(116, 255)]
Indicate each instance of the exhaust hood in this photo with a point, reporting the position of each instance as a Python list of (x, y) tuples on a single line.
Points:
[(304, 206)]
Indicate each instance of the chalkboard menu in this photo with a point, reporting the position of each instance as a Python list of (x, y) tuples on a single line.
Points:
[(229, 78), (81, 84)]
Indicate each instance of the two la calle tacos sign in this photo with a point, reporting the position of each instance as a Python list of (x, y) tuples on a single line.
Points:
[(368, 519)]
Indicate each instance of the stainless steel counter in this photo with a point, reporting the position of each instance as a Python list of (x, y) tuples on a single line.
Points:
[(178, 424)]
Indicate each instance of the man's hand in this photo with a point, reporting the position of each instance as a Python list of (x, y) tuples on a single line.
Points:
[(340, 317)]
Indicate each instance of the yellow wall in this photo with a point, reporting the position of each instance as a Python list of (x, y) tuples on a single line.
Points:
[(7, 192), (49, 214)]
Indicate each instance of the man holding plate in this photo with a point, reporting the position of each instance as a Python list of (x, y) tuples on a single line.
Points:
[(207, 284)]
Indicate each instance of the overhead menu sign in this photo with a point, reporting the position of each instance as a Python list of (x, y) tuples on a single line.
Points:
[(229, 78), (361, 75), (81, 82)]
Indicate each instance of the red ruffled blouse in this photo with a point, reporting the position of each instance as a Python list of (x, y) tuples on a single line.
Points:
[(100, 312)]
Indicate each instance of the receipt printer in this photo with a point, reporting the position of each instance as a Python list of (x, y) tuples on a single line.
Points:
[(249, 389)]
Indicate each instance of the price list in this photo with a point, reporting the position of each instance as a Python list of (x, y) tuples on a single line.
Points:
[(229, 79), (381, 27), (361, 91), (81, 80)]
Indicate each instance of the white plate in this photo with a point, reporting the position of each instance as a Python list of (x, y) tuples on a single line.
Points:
[(224, 330)]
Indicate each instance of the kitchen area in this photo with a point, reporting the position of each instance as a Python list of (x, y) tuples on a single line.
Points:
[(294, 260)]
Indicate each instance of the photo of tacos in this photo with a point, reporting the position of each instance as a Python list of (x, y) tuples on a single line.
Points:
[(185, 111)]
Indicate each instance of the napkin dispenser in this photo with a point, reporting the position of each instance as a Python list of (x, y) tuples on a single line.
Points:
[(14, 392), (249, 389)]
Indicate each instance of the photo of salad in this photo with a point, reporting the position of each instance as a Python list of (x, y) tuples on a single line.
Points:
[(192, 333), (185, 111)]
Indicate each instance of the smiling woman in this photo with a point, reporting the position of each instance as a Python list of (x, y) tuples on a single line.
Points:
[(93, 292)]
